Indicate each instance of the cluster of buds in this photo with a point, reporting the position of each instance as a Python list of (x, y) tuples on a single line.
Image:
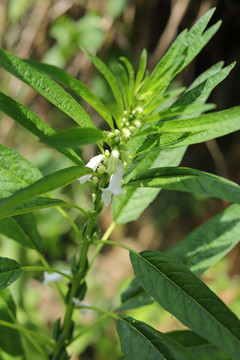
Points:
[(130, 122), (118, 138)]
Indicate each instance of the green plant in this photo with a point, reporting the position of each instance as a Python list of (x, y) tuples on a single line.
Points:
[(149, 129)]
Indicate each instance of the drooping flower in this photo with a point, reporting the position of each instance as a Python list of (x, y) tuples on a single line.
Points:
[(53, 277), (92, 164), (114, 186)]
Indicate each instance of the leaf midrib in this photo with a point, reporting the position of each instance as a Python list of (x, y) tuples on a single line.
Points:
[(187, 295), (142, 335)]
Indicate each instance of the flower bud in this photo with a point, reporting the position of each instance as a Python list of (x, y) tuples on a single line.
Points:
[(113, 162)]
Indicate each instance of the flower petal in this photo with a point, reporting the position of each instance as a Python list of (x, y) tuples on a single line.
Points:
[(116, 180), (106, 196), (92, 164)]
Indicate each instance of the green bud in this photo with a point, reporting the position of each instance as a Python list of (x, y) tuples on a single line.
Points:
[(113, 162), (101, 169)]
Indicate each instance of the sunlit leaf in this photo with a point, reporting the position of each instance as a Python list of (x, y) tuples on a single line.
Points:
[(32, 123), (45, 86), (186, 297)]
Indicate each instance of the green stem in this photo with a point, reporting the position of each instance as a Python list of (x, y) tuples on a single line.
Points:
[(101, 310), (102, 243), (90, 327), (115, 243), (67, 204), (80, 275), (44, 268), (49, 342), (43, 260), (71, 222)]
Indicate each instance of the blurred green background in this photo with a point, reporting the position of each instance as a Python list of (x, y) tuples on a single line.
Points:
[(54, 31)]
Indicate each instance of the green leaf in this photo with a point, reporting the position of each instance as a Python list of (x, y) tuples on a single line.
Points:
[(140, 341), (197, 95), (204, 85), (32, 123), (10, 271), (110, 78), (186, 297), (23, 229), (173, 111), (37, 203), (129, 207), (203, 349), (198, 44), (15, 171), (131, 74), (206, 74), (74, 137), (162, 73), (181, 53), (10, 341), (189, 180), (200, 250), (210, 242), (47, 183), (79, 88), (134, 296), (184, 132), (141, 69), (45, 86), (202, 127)]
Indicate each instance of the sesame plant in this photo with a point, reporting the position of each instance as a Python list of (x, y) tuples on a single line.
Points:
[(148, 128)]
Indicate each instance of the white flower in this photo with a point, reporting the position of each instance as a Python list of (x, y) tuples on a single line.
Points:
[(114, 185), (92, 164), (53, 277), (77, 302)]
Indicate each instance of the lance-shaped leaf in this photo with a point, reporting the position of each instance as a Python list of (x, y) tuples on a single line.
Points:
[(22, 229), (196, 95), (37, 203), (47, 183), (140, 341), (199, 251), (9, 336), (134, 296), (45, 86), (15, 171), (74, 137), (10, 270), (173, 111), (189, 180), (110, 78), (141, 69), (201, 88), (186, 297), (80, 89), (183, 132), (186, 46), (32, 123), (210, 242), (199, 346)]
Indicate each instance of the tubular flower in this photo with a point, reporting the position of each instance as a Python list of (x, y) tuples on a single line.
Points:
[(114, 186), (92, 164)]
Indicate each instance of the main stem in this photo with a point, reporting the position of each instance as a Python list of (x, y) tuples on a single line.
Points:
[(78, 279)]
